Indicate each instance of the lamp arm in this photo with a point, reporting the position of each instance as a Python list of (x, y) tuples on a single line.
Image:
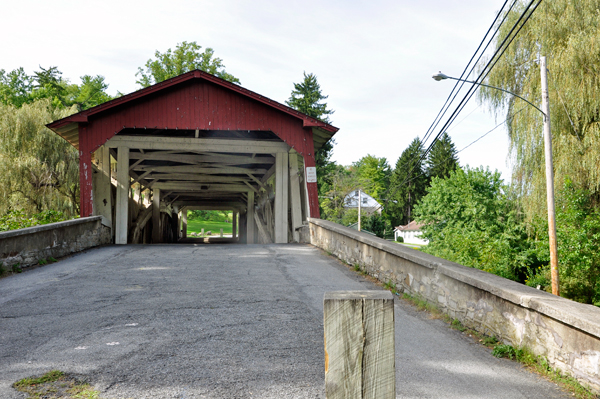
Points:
[(498, 88)]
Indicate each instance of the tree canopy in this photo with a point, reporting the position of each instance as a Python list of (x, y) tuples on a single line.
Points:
[(373, 176), (407, 183), (186, 57), (568, 33)]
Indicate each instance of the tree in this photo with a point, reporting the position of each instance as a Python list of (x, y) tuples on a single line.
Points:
[(408, 183), (340, 183), (18, 88), (39, 170), (568, 33), (307, 98), (373, 176), (186, 57), (470, 219), (442, 159)]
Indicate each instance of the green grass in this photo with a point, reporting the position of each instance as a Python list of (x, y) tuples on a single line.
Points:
[(196, 226), (55, 384)]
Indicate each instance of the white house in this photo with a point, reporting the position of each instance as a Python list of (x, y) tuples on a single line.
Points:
[(368, 203), (410, 233)]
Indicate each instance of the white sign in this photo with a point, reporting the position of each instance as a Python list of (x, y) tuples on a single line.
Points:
[(311, 174)]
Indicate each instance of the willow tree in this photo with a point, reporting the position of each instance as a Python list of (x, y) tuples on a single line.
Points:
[(39, 170), (568, 33)]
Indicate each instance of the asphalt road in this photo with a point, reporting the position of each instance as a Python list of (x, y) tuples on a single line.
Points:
[(220, 321)]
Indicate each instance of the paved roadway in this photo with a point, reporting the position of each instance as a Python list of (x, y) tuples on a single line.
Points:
[(220, 321)]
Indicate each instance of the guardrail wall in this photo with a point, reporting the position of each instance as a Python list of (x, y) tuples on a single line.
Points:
[(567, 333), (26, 247)]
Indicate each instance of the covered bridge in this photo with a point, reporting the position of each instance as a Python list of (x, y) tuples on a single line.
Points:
[(196, 142)]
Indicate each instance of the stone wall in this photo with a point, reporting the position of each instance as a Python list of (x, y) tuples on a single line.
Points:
[(567, 333), (25, 247)]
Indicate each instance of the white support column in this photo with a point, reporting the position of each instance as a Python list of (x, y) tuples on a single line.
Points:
[(281, 197), (250, 219), (156, 216), (184, 222), (101, 186), (295, 200), (122, 204)]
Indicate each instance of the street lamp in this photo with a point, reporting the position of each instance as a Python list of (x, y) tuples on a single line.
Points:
[(548, 155)]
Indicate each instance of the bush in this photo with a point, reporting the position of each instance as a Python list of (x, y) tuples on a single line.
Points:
[(399, 239), (17, 219)]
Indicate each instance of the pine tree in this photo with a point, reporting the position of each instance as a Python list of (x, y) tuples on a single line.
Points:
[(408, 183), (442, 158), (308, 99)]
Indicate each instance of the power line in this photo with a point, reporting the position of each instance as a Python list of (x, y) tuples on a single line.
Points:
[(501, 49)]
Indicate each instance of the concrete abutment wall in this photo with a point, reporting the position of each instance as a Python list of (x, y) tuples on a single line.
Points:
[(567, 333), (25, 247)]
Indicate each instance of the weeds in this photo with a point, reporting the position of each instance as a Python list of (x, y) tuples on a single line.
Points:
[(42, 262), (356, 267), (51, 259), (55, 384), (457, 325), (540, 365), (17, 268)]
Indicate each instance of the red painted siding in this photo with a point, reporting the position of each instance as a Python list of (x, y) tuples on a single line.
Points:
[(194, 104)]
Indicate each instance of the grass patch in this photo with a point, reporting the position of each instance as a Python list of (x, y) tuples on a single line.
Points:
[(56, 384), (356, 267), (196, 226), (540, 365)]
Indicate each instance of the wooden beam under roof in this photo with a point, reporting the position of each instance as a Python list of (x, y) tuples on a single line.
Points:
[(193, 159), (193, 186), (200, 144), (195, 177), (199, 169)]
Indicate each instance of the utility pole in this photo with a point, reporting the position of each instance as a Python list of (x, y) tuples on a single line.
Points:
[(359, 203), (549, 178)]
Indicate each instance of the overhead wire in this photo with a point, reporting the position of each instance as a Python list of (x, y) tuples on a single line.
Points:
[(501, 49)]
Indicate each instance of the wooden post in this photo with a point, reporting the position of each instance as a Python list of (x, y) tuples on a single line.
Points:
[(250, 219), (234, 225), (221, 232), (156, 232), (101, 186), (202, 232), (295, 200), (122, 195), (359, 345), (175, 224), (281, 197), (184, 222)]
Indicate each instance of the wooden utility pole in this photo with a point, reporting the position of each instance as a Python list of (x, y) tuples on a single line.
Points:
[(359, 204), (549, 179)]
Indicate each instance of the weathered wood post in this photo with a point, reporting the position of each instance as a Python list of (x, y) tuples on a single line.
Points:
[(359, 345), (221, 232), (202, 232)]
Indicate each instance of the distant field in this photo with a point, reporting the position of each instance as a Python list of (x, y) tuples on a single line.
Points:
[(196, 226)]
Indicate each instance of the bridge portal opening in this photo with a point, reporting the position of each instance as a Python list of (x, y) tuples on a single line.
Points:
[(196, 142)]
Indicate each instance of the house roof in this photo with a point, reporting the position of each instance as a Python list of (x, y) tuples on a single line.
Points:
[(351, 200), (68, 127), (412, 226)]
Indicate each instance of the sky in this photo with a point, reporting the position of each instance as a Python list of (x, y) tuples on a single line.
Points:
[(374, 59)]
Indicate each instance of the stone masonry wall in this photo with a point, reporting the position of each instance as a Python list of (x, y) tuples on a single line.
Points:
[(567, 333), (25, 247)]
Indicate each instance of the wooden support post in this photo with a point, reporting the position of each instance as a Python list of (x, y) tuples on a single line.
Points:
[(202, 232), (234, 225), (122, 204), (250, 219), (156, 228), (184, 222), (175, 224), (102, 185), (221, 232), (295, 200), (359, 345), (281, 197)]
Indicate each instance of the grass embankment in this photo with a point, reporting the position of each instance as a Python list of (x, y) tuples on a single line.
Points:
[(196, 226)]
